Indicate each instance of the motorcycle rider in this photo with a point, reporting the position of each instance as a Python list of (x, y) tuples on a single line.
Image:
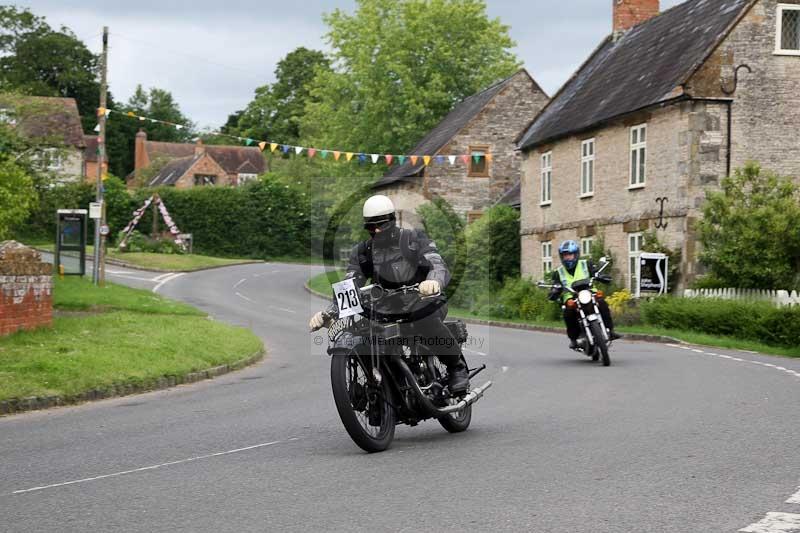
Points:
[(394, 257), (572, 269)]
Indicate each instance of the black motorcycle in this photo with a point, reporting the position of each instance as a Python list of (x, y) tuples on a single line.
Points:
[(595, 341), (379, 379)]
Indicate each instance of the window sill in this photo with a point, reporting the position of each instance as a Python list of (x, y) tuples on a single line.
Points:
[(545, 204), (586, 196), (637, 186), (786, 53)]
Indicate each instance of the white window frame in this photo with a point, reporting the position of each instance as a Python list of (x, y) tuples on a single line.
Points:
[(637, 173), (50, 159), (779, 30), (587, 168), (635, 242), (246, 177), (546, 183), (547, 257), (586, 246)]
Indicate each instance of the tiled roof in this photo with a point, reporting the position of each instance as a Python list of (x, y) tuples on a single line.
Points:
[(511, 197), (642, 68), (230, 158), (440, 135), (47, 118), (172, 171)]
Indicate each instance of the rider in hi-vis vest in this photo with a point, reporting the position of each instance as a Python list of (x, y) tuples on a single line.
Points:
[(571, 270)]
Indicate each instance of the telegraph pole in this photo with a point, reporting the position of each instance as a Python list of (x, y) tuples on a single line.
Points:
[(99, 271)]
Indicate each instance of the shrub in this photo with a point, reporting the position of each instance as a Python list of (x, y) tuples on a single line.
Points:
[(758, 321)]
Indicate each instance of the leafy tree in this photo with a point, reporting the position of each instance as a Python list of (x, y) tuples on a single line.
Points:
[(277, 110), (14, 23), (493, 245), (399, 68), (749, 230), (17, 193)]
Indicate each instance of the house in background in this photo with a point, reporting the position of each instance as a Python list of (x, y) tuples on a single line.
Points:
[(662, 110), (488, 122), (55, 124), (185, 165)]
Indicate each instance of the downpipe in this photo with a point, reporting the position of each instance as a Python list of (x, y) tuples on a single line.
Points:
[(431, 410)]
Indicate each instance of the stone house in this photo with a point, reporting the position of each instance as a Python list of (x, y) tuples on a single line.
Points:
[(662, 110), (55, 124), (485, 123), (185, 165)]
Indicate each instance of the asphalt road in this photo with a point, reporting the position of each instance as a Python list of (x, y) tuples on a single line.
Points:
[(668, 439)]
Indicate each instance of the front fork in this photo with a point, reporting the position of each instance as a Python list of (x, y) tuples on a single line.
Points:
[(585, 321)]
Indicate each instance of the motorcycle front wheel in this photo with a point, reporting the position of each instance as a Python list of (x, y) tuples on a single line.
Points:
[(365, 412), (600, 343)]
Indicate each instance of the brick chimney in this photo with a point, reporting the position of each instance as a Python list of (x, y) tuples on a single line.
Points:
[(629, 13), (199, 147), (140, 154)]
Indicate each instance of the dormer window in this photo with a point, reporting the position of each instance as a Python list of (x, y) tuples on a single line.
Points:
[(787, 39)]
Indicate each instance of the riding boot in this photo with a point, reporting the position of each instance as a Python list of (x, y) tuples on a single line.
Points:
[(458, 378)]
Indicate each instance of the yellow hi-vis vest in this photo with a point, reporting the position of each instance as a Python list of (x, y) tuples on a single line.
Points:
[(567, 279)]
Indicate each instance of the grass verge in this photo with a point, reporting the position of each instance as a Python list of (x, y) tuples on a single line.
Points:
[(320, 285), (140, 338)]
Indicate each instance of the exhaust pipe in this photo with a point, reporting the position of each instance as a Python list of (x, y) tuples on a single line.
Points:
[(432, 410), (473, 396)]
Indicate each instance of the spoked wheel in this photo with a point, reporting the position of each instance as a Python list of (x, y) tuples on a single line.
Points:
[(365, 412), (454, 422), (601, 346)]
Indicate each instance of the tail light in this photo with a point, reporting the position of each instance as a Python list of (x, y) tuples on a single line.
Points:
[(600, 294)]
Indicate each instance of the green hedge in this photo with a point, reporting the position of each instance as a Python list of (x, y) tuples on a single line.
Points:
[(260, 220), (756, 321)]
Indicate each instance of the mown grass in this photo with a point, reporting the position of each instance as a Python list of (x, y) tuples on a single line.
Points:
[(131, 336), (321, 285)]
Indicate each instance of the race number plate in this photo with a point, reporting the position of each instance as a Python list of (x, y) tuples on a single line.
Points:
[(347, 300)]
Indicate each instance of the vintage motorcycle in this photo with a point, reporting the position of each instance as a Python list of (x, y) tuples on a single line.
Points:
[(380, 380), (596, 340)]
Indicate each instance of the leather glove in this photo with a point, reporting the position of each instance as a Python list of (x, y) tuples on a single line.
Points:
[(319, 320), (429, 287)]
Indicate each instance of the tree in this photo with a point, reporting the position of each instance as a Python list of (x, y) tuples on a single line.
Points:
[(277, 110), (749, 230), (121, 131), (17, 193), (400, 66)]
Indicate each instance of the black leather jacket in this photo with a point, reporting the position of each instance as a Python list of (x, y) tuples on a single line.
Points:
[(400, 257)]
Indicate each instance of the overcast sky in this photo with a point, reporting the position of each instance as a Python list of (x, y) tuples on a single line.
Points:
[(212, 54)]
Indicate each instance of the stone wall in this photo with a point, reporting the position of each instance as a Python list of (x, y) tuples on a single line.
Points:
[(26, 289)]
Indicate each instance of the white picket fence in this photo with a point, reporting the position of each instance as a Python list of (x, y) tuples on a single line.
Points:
[(776, 297)]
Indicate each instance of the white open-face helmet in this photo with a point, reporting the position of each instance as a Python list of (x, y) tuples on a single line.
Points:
[(378, 213)]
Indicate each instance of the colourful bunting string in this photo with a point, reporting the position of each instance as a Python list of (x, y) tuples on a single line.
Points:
[(311, 152)]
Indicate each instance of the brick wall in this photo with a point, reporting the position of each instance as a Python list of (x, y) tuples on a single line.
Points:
[(206, 166), (26, 289), (629, 13)]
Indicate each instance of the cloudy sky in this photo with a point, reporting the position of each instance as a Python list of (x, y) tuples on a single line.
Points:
[(212, 54)]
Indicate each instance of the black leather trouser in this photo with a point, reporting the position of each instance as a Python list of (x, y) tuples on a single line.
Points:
[(431, 332), (572, 319)]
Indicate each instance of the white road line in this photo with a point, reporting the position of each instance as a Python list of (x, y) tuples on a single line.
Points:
[(775, 523), (504, 369), (795, 497), (243, 297), (239, 283), (283, 309), (166, 280), (154, 467), (162, 276), (475, 352), (113, 275), (737, 359)]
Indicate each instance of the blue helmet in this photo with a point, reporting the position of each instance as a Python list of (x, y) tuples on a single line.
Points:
[(569, 247)]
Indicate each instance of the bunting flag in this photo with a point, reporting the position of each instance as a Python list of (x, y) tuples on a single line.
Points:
[(390, 159)]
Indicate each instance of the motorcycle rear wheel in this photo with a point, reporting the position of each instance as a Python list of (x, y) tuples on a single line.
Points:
[(600, 343), (348, 381)]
